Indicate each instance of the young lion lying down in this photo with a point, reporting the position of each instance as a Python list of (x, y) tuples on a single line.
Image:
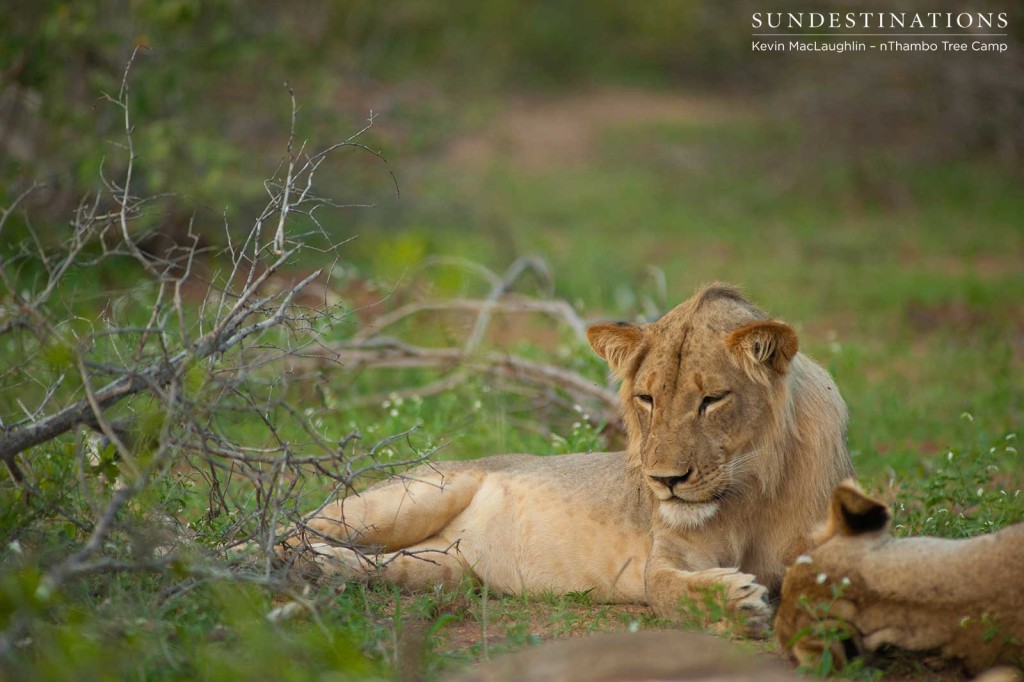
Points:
[(735, 442), (961, 599)]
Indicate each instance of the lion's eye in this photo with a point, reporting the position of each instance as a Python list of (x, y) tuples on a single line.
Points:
[(708, 401), (645, 399)]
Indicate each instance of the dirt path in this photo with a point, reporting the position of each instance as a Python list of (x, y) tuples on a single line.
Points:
[(544, 134)]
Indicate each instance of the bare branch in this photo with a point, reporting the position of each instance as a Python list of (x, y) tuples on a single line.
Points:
[(385, 352)]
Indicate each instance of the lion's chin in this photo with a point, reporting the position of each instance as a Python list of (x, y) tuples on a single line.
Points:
[(687, 515)]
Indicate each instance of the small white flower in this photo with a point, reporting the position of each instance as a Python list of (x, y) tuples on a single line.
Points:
[(845, 581), (634, 626), (394, 412), (949, 456), (14, 546), (578, 408), (477, 404), (285, 612), (576, 426), (386, 404), (822, 577), (981, 491), (804, 559), (586, 417)]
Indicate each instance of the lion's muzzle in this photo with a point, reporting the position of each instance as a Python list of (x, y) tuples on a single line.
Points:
[(670, 482), (684, 484)]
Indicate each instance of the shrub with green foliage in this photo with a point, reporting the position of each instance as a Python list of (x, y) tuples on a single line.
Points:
[(966, 492)]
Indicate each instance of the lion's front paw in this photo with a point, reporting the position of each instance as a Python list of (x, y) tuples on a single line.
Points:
[(744, 597)]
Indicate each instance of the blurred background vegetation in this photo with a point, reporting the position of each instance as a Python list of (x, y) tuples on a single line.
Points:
[(873, 200)]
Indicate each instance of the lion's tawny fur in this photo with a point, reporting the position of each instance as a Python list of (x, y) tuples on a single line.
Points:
[(735, 442), (961, 599), (629, 657)]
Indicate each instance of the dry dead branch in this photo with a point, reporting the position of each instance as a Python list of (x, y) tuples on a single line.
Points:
[(369, 348), (387, 352), (164, 383), (160, 391)]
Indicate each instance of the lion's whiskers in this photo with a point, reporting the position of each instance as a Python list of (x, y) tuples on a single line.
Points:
[(737, 468), (736, 464)]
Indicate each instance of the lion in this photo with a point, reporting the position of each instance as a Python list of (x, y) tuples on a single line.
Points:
[(960, 599), (632, 656), (735, 441)]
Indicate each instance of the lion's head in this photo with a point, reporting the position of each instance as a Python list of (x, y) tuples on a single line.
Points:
[(707, 399)]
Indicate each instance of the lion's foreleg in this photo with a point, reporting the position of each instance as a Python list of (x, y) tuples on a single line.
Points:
[(674, 593)]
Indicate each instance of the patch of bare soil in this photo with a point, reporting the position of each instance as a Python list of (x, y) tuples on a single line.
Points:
[(569, 622), (988, 265), (954, 315), (552, 133)]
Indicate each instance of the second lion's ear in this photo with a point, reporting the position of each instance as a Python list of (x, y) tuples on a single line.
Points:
[(619, 344), (853, 512)]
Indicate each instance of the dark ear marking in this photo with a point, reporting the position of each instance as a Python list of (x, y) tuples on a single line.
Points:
[(855, 513), (872, 519)]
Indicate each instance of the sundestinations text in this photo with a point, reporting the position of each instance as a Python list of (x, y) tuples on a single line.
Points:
[(879, 20)]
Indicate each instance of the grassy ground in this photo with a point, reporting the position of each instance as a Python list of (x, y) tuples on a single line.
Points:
[(904, 279)]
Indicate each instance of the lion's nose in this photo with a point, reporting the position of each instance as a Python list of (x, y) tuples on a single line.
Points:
[(671, 481)]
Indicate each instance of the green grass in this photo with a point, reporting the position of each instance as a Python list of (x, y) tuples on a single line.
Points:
[(915, 306), (903, 279)]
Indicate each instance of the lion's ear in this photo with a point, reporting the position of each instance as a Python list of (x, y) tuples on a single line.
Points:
[(854, 513), (765, 344), (618, 343)]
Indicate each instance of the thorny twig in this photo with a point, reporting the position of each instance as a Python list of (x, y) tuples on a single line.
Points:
[(195, 371)]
